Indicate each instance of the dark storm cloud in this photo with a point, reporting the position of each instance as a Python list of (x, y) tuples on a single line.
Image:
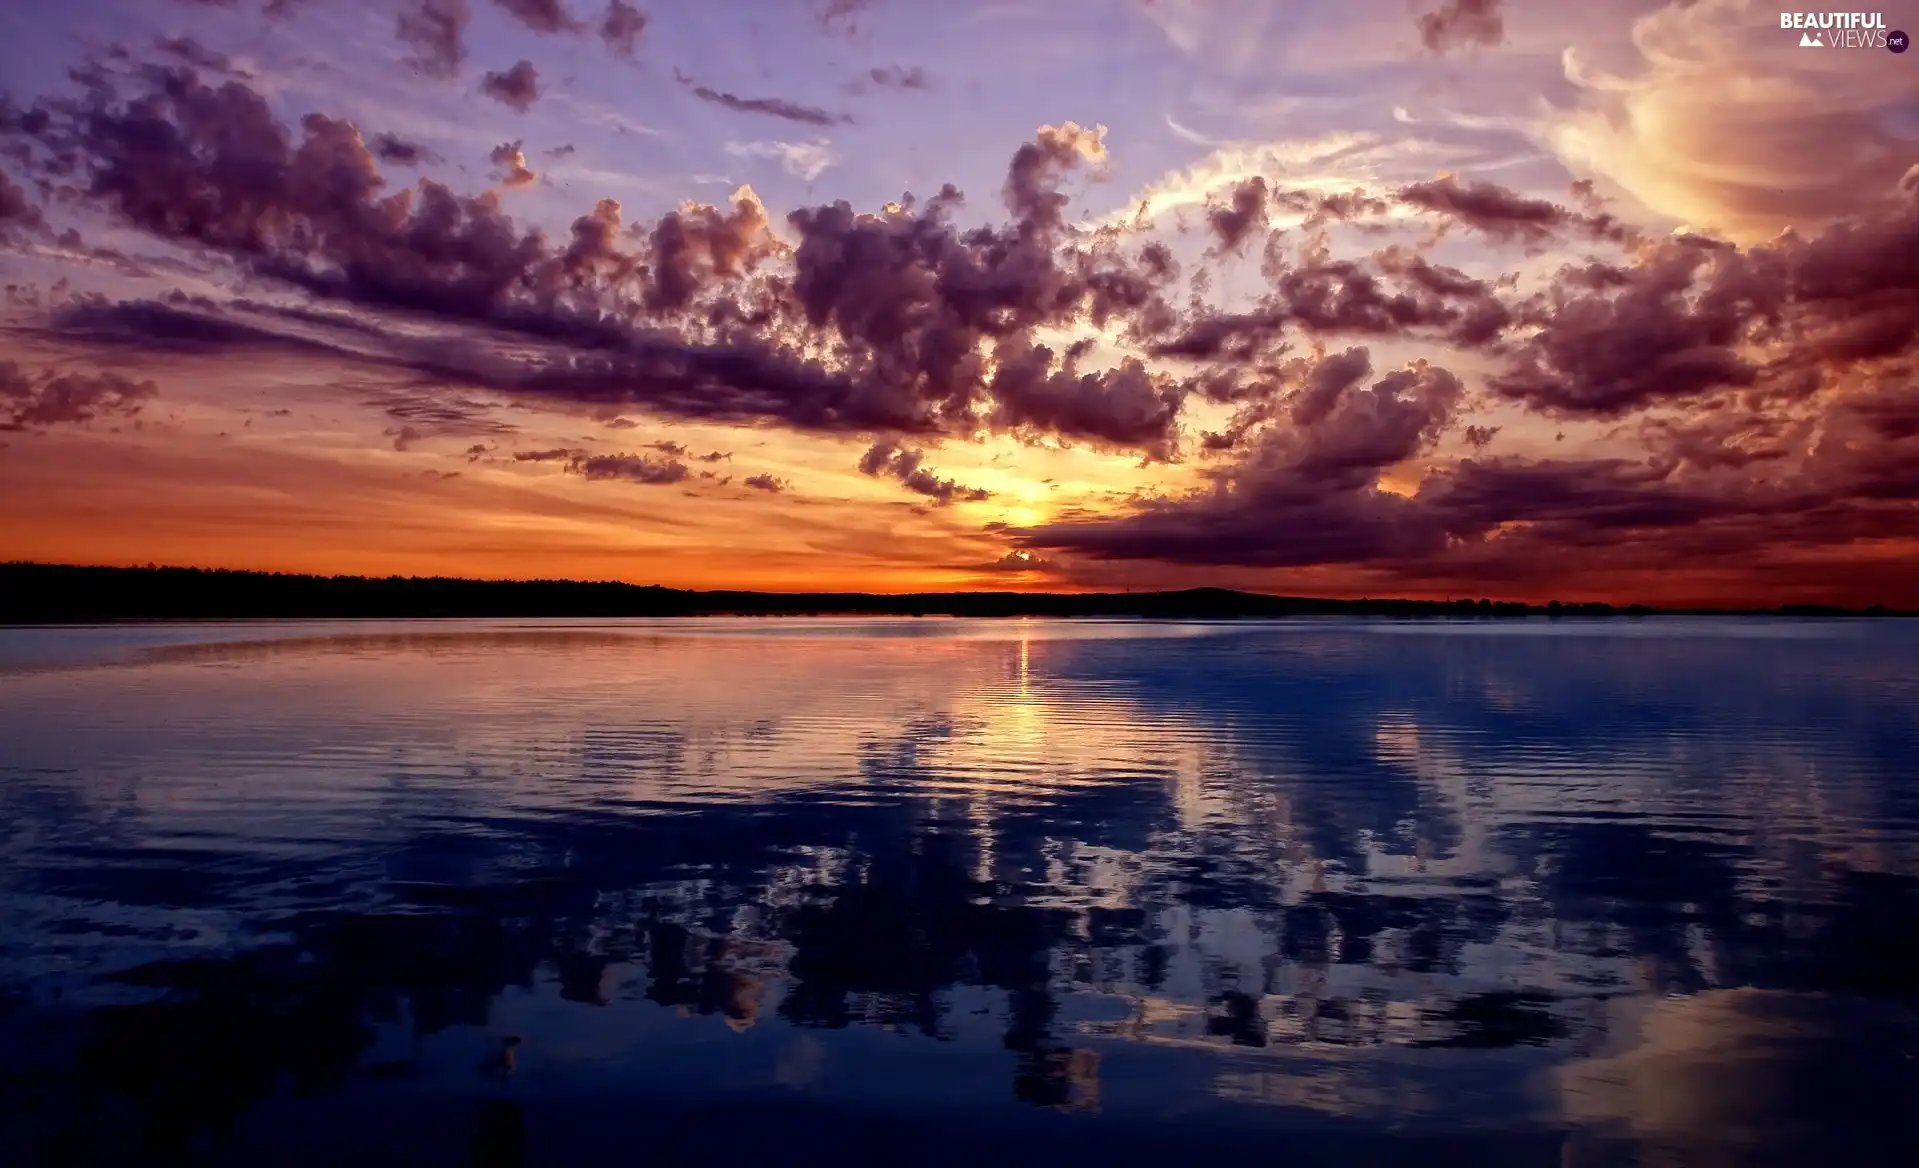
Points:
[(891, 460), (436, 32), (518, 86), (621, 28), (1462, 23), (31, 401), (548, 16)]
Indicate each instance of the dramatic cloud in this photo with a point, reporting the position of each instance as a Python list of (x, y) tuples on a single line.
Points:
[(1126, 407), (765, 482), (1794, 362), (1675, 327), (548, 16), (1721, 398), (1462, 23), (35, 401), (436, 32), (1722, 124), (1306, 493), (518, 87), (893, 461), (621, 28)]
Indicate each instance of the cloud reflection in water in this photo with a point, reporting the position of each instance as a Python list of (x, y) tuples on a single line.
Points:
[(1353, 882)]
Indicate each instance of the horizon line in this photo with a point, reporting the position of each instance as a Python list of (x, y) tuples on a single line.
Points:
[(1114, 601)]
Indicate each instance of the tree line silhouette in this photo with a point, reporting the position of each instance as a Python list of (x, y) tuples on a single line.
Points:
[(34, 593)]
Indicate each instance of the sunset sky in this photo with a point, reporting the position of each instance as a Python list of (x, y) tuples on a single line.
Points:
[(1612, 300)]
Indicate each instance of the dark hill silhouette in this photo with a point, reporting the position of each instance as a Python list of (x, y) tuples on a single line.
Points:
[(33, 593)]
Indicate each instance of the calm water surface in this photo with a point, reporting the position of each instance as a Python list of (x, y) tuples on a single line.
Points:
[(820, 891)]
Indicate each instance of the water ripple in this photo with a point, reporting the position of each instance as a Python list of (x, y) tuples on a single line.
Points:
[(1576, 892)]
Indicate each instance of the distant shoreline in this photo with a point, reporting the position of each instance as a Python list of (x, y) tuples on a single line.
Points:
[(34, 594)]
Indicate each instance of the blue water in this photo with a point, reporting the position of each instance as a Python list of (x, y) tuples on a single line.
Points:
[(926, 891)]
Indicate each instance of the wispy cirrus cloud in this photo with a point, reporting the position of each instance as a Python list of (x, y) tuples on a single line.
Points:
[(803, 160)]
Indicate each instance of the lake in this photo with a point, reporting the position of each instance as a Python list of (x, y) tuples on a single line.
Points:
[(935, 891)]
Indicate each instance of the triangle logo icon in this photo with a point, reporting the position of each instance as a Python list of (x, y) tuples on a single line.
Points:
[(1810, 40)]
